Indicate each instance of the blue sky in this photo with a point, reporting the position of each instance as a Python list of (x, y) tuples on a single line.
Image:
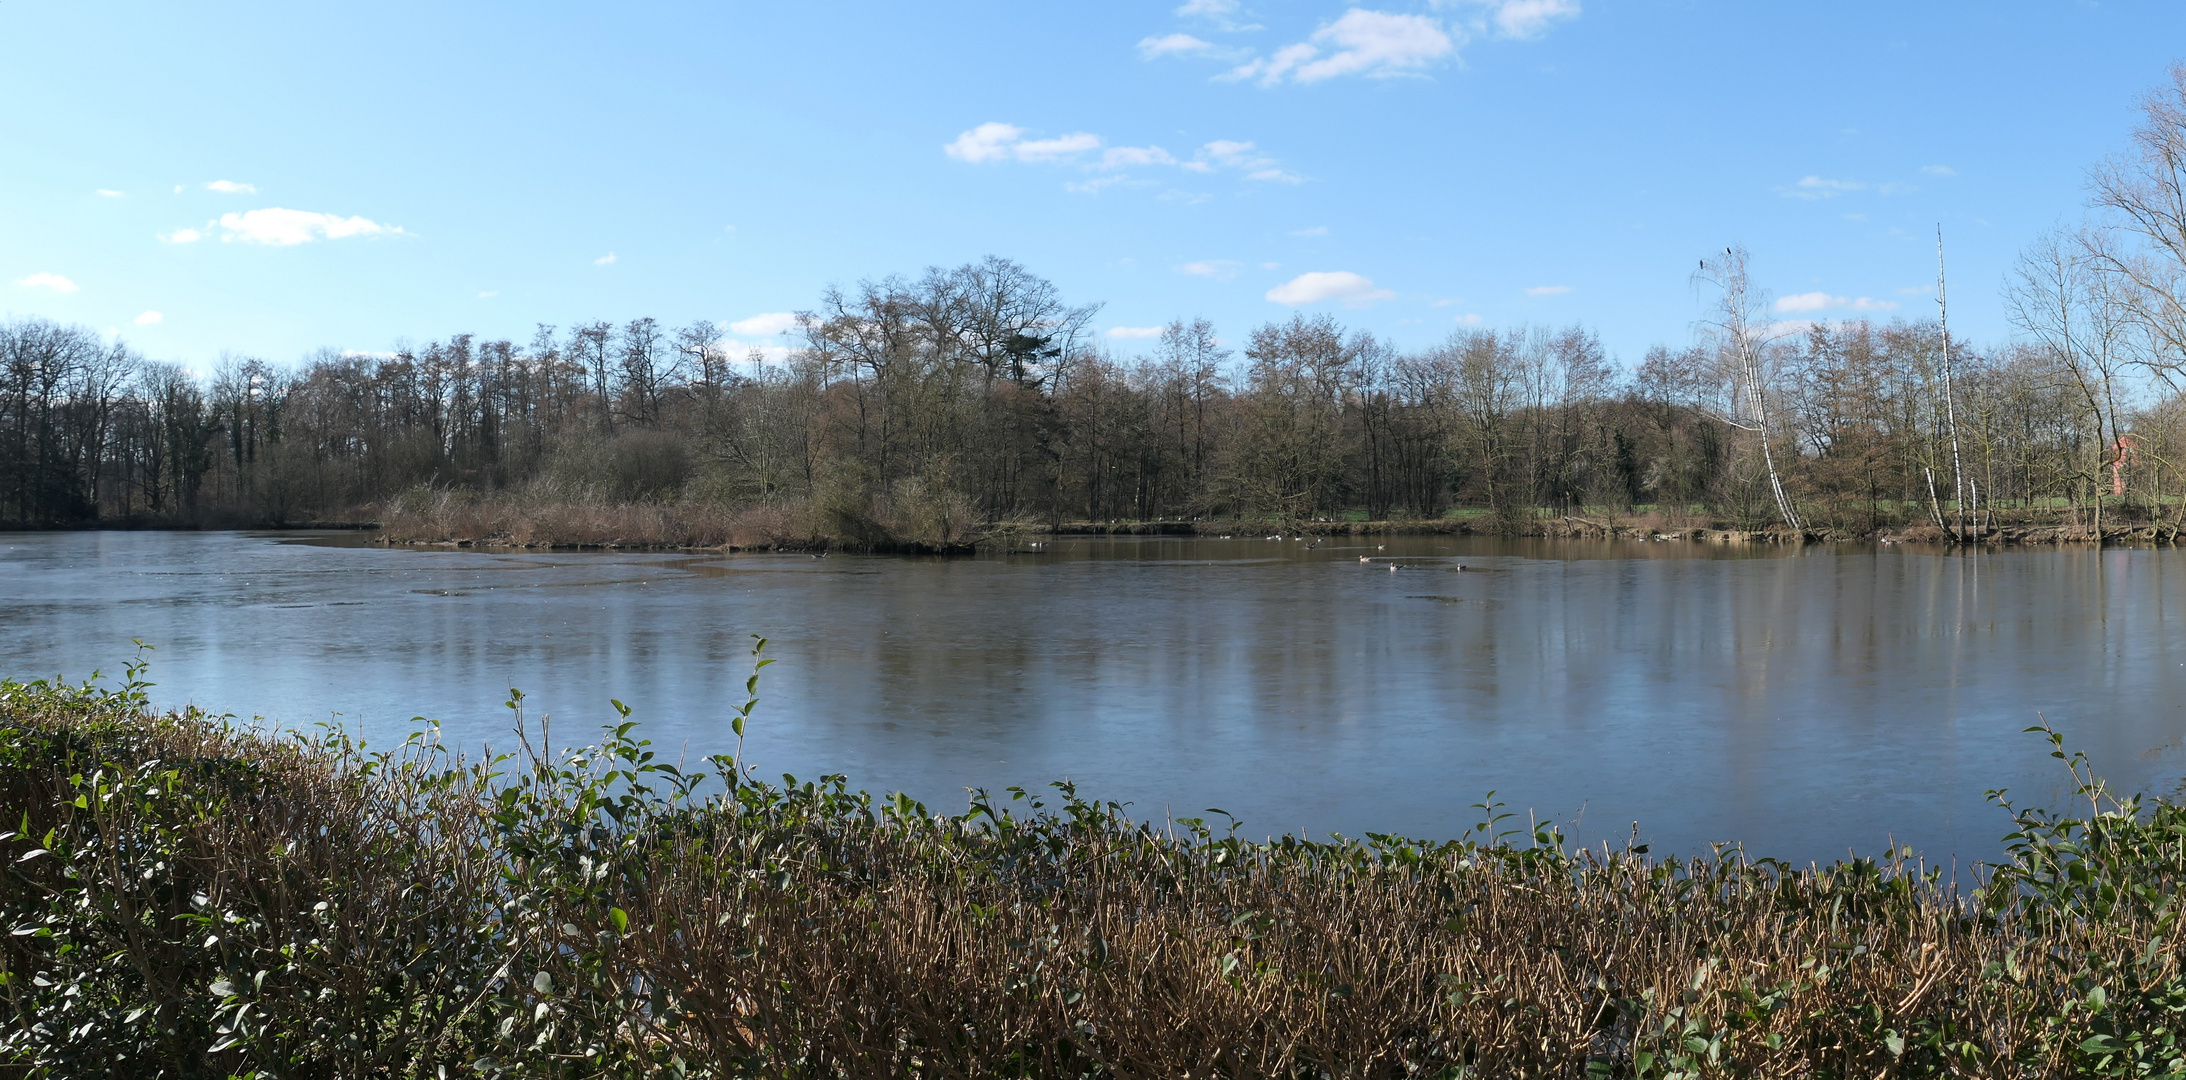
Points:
[(267, 179)]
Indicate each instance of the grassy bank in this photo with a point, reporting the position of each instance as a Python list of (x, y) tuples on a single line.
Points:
[(185, 898), (907, 524), (919, 522)]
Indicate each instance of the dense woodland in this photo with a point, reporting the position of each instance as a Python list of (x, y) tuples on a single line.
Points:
[(970, 389), (979, 394)]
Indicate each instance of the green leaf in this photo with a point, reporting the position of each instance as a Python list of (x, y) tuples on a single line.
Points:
[(621, 918)]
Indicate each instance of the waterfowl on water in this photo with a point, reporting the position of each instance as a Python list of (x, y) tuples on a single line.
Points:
[(1366, 558)]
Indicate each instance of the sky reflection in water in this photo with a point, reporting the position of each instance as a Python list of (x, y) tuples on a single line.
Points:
[(1802, 702)]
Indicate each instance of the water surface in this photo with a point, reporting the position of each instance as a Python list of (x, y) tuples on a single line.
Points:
[(1803, 702)]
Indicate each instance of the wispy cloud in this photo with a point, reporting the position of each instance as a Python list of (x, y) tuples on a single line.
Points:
[(1317, 287), (231, 187), (1173, 45), (1317, 230), (1121, 157), (1004, 142), (149, 318), (279, 227), (1528, 19), (605, 260), (1548, 290), (1222, 14), (1938, 170), (42, 280), (489, 294), (1219, 269), (1376, 44), (767, 325), (183, 236), (1821, 301), (1060, 148), (988, 142), (1819, 187), (110, 193), (1243, 157), (994, 142), (1384, 44), (1134, 332), (1212, 9), (1470, 318)]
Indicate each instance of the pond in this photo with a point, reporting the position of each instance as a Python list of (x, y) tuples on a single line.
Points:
[(1801, 701)]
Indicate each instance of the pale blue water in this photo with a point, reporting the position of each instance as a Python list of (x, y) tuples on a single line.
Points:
[(1803, 702)]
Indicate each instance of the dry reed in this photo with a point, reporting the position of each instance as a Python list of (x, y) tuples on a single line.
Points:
[(187, 898)]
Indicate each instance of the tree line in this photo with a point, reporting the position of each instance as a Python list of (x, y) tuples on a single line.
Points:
[(980, 392)]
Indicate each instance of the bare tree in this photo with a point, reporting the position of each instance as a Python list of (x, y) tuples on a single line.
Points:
[(2142, 241), (1741, 341), (2061, 297)]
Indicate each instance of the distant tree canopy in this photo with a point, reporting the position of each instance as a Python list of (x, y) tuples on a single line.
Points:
[(980, 387)]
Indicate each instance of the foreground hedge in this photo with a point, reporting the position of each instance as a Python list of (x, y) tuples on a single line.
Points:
[(187, 898)]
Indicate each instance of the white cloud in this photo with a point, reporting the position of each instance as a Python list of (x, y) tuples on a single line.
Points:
[(489, 294), (1529, 19), (182, 236), (109, 193), (1132, 332), (1548, 290), (1056, 149), (280, 227), (1120, 157), (42, 280), (987, 142), (1470, 318), (1317, 230), (1172, 45), (1219, 269), (1320, 286), (1821, 301), (1939, 170), (1271, 266), (993, 141), (230, 187), (1242, 156), (1818, 187), (764, 352), (1815, 187), (1376, 44), (149, 318), (1229, 152), (767, 325), (605, 260), (1210, 9)]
